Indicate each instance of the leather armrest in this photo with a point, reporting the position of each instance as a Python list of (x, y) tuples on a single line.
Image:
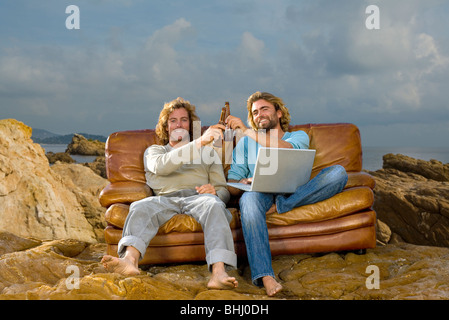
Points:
[(124, 192), (360, 179)]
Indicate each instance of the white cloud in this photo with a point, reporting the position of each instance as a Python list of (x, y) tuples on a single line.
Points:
[(251, 48), (318, 56)]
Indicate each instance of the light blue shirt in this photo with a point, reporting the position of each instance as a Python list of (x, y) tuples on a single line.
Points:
[(245, 153)]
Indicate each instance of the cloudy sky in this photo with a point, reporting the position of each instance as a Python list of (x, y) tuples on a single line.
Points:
[(129, 57)]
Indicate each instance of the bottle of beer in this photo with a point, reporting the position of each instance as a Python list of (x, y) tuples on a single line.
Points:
[(222, 116), (225, 112)]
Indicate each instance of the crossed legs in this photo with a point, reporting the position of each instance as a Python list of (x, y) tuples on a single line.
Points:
[(254, 207)]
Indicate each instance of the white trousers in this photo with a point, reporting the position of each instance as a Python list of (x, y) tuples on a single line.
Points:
[(147, 215)]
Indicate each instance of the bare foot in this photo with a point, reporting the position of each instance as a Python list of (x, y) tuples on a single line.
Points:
[(272, 209), (220, 279), (271, 285), (124, 266)]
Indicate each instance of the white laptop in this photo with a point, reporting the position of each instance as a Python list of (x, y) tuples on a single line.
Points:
[(279, 170)]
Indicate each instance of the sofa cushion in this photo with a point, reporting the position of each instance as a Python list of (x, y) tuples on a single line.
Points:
[(335, 143), (124, 154), (124, 192), (347, 202), (117, 213), (360, 179), (282, 233)]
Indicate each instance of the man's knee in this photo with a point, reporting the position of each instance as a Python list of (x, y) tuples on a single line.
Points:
[(136, 206), (335, 174), (212, 201), (149, 209), (209, 205), (340, 174)]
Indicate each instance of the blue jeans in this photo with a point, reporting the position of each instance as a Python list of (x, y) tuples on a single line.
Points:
[(254, 205)]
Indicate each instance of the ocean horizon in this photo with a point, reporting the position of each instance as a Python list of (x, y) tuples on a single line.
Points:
[(55, 148), (372, 156)]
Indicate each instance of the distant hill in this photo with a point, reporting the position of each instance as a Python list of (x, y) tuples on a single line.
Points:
[(43, 134), (47, 137)]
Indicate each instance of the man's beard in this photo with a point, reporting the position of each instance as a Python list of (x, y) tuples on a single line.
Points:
[(179, 135), (271, 124)]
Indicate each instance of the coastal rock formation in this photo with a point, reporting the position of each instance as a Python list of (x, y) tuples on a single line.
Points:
[(433, 169), (37, 201), (51, 229), (70, 269), (412, 198), (86, 185), (98, 166), (59, 156), (81, 145)]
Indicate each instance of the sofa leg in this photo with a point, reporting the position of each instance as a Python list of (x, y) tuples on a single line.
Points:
[(359, 252)]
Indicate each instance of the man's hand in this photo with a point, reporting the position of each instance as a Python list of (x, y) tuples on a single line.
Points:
[(235, 123), (206, 188), (236, 191), (212, 133)]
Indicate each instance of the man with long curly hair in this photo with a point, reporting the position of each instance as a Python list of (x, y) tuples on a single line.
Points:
[(186, 176), (269, 119)]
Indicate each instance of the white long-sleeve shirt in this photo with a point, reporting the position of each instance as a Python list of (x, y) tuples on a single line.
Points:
[(169, 169)]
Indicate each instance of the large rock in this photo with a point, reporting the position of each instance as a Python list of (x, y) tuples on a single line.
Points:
[(37, 201), (82, 146), (86, 185), (412, 198), (69, 269), (98, 166), (59, 156), (433, 169)]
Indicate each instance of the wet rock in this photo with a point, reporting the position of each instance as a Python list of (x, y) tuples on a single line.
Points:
[(46, 271)]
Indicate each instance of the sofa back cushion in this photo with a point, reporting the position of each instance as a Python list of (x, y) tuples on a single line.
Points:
[(124, 154), (334, 144)]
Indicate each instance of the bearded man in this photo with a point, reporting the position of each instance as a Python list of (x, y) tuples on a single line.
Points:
[(269, 119), (186, 177)]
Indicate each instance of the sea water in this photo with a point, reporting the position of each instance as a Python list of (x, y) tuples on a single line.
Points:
[(55, 148), (372, 156)]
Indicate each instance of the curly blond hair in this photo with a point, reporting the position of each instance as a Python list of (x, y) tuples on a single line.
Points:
[(169, 107), (278, 105)]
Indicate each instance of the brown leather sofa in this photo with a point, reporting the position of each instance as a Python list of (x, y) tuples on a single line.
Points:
[(341, 223)]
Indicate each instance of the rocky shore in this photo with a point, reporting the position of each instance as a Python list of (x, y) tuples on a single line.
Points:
[(412, 198), (33, 269), (51, 229), (82, 146), (43, 202)]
